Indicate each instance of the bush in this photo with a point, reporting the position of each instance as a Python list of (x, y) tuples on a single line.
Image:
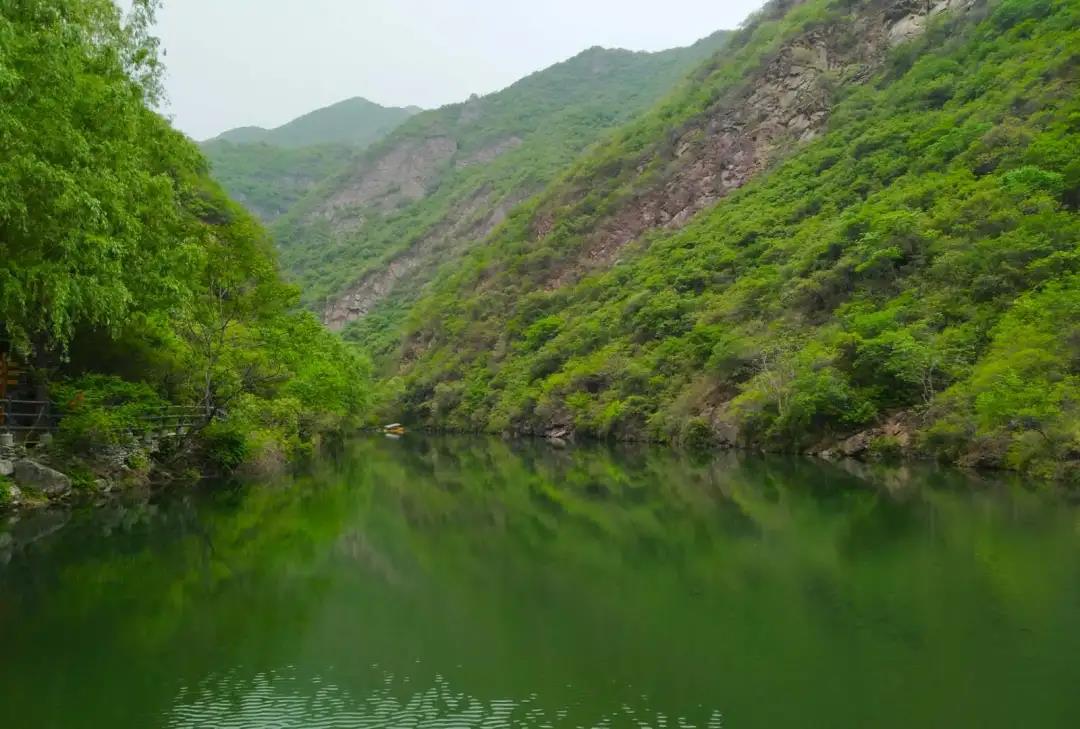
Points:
[(101, 410), (1013, 12), (886, 448), (697, 435), (225, 446)]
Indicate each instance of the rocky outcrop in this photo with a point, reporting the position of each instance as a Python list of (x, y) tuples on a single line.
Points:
[(907, 20), (464, 224), (489, 153), (50, 482), (897, 433), (403, 174), (787, 103), (403, 205)]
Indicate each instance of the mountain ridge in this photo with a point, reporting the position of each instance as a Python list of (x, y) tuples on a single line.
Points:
[(474, 159), (355, 121), (270, 170)]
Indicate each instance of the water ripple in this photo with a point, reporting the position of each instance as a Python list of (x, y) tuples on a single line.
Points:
[(279, 700)]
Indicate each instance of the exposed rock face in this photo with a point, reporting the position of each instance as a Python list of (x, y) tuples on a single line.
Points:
[(466, 223), (723, 426), (489, 153), (404, 174), (907, 19), (50, 482), (898, 430), (787, 103)]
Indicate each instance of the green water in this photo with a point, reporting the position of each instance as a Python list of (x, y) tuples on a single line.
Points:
[(477, 583)]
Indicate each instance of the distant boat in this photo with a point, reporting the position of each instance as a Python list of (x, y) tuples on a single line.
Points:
[(394, 429)]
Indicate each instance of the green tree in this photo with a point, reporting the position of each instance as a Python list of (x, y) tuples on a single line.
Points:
[(90, 228)]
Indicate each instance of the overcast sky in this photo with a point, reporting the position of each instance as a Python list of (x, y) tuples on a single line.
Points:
[(239, 62)]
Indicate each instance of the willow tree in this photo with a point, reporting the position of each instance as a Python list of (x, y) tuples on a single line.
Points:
[(91, 229)]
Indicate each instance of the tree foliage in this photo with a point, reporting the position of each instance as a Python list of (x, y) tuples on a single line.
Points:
[(121, 257)]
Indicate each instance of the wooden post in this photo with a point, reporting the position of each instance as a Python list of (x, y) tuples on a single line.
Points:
[(9, 379), (3, 387)]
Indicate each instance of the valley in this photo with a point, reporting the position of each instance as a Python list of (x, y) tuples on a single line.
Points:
[(790, 250)]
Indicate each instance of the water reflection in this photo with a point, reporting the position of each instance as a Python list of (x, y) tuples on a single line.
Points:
[(473, 582), (284, 701)]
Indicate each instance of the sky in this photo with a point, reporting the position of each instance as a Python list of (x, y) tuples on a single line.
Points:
[(264, 62)]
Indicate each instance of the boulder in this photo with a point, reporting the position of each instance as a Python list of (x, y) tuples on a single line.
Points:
[(6, 468), (34, 475), (857, 444), (557, 433)]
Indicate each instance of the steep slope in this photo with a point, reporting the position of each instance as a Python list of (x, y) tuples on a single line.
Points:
[(269, 180), (270, 170), (369, 240), (356, 122), (888, 250)]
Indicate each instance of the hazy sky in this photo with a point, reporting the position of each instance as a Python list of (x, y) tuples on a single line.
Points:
[(238, 62)]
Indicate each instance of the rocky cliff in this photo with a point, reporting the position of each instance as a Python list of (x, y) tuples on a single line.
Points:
[(775, 108), (377, 233), (848, 228)]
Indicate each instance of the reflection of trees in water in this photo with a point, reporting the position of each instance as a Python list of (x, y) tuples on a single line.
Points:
[(536, 551)]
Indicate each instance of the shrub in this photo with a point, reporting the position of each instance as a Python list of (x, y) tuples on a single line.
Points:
[(225, 446), (101, 410), (886, 448), (697, 435)]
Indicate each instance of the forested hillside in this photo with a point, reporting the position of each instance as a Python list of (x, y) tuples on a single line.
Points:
[(129, 281), (269, 170), (354, 122), (364, 244), (268, 180), (855, 232)]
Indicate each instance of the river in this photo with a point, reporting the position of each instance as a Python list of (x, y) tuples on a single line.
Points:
[(453, 582)]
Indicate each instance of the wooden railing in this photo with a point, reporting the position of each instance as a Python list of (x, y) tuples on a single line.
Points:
[(179, 419), (43, 416), (10, 374), (27, 415)]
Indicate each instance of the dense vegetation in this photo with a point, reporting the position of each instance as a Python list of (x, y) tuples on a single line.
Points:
[(269, 170), (267, 179), (507, 146), (129, 280), (918, 263)]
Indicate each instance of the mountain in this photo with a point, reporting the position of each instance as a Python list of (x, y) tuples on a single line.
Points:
[(364, 243), (268, 180), (355, 122), (270, 170), (853, 232)]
